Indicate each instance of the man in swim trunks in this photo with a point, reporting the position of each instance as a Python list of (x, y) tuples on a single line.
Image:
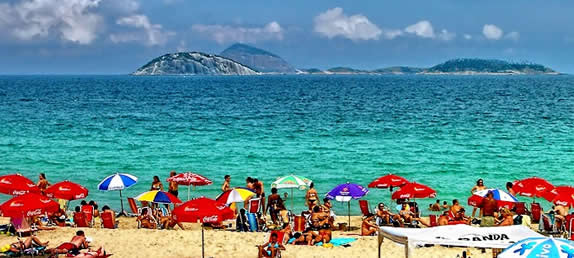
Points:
[(273, 204), (226, 183), (173, 187), (260, 191), (455, 208), (271, 248), (488, 208), (77, 243)]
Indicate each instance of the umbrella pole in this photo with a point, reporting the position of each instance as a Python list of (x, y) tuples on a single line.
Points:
[(202, 243), (122, 213), (292, 199), (349, 213), (188, 189)]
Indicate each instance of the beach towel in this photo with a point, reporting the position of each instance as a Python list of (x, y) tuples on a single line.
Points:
[(340, 241)]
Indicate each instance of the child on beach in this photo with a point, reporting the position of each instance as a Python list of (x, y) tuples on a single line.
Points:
[(271, 248)]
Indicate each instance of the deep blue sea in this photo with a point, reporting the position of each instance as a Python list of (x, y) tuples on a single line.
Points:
[(444, 131)]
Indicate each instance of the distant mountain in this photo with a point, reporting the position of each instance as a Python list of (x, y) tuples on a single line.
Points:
[(311, 71), (487, 66), (345, 70), (193, 63), (397, 70), (257, 59)]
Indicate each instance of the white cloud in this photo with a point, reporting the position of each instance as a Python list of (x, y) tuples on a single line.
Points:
[(69, 20), (491, 31), (226, 33), (391, 34), (334, 23), (422, 29), (446, 35), (513, 35), (467, 36), (151, 34)]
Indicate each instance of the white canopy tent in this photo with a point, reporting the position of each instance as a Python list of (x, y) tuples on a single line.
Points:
[(456, 235)]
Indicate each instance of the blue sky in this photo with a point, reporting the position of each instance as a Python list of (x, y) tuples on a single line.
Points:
[(118, 36)]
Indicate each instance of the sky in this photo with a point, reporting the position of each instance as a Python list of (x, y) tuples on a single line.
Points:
[(118, 36)]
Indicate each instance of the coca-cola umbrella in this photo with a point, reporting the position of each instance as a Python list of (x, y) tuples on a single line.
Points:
[(532, 187), (414, 191), (561, 195), (189, 179), (503, 199), (203, 210), (388, 181), (67, 190), (16, 184), (28, 205)]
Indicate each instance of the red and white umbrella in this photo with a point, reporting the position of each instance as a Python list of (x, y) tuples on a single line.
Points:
[(532, 187), (503, 199), (67, 190), (388, 181), (414, 191), (28, 205), (561, 195), (16, 184), (189, 179)]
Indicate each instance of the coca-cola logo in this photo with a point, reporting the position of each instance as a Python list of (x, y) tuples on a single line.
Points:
[(210, 219), (80, 196), (190, 209), (35, 212), (16, 204), (404, 196), (19, 192)]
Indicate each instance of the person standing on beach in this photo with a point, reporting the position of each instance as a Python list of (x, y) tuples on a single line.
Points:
[(312, 197), (478, 187), (173, 187), (509, 186), (260, 191), (226, 183), (488, 208), (43, 182), (156, 185)]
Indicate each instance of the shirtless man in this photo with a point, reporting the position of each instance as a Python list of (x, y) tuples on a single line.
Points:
[(273, 203), (443, 219), (369, 228), (146, 220), (488, 208), (455, 208), (318, 218), (78, 242), (260, 191), (435, 206), (173, 187), (16, 247), (226, 183), (383, 216)]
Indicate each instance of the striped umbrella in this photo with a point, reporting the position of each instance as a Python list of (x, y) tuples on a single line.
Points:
[(291, 182), (237, 194), (157, 197), (118, 181), (503, 199), (540, 247)]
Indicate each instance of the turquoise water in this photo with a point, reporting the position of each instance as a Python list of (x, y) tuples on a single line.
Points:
[(442, 131)]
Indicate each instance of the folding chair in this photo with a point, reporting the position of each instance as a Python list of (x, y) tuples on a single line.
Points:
[(89, 211), (22, 226), (433, 220), (364, 205), (536, 211), (133, 207), (520, 208)]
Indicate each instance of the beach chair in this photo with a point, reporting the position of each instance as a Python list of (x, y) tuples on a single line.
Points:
[(433, 220), (22, 227), (520, 208), (254, 205), (280, 238), (108, 220), (548, 224), (89, 211), (364, 205), (300, 224), (133, 207), (536, 211), (570, 226), (80, 220)]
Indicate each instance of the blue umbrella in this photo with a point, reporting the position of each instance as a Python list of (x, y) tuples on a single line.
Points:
[(540, 247), (346, 193), (118, 181)]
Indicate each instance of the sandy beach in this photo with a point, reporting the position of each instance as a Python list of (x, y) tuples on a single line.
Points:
[(128, 241)]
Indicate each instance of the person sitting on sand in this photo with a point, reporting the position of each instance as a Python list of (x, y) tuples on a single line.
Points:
[(507, 218), (94, 205), (80, 217), (146, 220), (488, 207), (326, 235), (311, 237), (312, 197), (455, 208), (282, 212), (78, 242), (369, 228), (319, 219), (241, 222), (106, 209), (59, 218), (271, 248), (443, 219), (169, 222), (29, 242), (435, 206), (461, 217)]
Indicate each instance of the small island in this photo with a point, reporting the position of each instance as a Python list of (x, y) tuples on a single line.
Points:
[(241, 59)]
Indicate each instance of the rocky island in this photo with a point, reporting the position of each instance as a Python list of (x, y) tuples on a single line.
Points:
[(193, 63)]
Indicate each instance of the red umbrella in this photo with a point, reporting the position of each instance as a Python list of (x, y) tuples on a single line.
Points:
[(30, 204), (388, 181), (67, 190), (532, 187), (204, 210), (561, 195), (189, 179), (414, 191), (16, 184)]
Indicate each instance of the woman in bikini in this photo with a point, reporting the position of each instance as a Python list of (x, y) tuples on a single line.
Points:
[(156, 185), (42, 182), (146, 220), (312, 197), (271, 248), (478, 187), (16, 247)]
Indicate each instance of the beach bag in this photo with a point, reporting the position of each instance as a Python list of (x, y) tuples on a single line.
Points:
[(252, 219), (518, 220)]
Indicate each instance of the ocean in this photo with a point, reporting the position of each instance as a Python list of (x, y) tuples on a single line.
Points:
[(443, 131)]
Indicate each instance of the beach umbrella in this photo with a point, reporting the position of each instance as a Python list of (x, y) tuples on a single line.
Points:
[(237, 194), (203, 210), (346, 193), (291, 182), (67, 190), (157, 197), (118, 182), (189, 179), (28, 205), (388, 181), (532, 187), (540, 247), (503, 198), (414, 191), (557, 191), (16, 184)]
